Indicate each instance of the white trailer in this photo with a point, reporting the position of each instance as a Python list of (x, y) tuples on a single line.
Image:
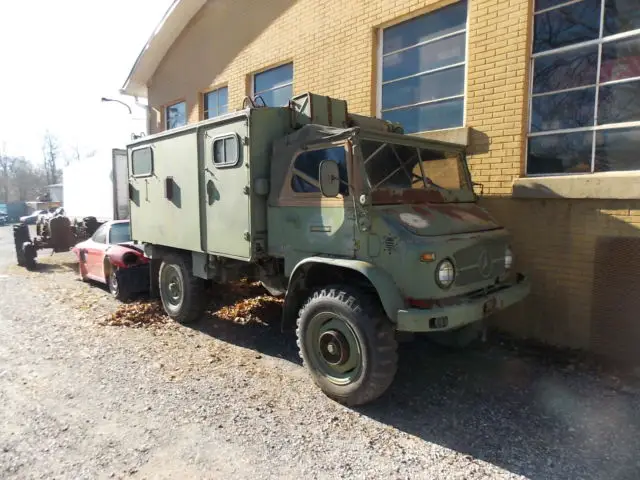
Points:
[(98, 187)]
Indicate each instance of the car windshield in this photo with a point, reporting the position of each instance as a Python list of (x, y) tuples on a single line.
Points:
[(120, 233), (408, 174)]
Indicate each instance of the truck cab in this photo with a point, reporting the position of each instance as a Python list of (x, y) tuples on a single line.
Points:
[(367, 232)]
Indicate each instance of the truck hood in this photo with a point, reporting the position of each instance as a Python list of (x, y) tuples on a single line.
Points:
[(432, 219)]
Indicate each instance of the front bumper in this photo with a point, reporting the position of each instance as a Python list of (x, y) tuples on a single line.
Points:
[(468, 310)]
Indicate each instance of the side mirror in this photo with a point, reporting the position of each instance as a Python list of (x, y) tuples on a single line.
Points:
[(329, 176)]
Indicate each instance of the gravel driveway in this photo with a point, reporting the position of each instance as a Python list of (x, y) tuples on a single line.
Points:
[(83, 400)]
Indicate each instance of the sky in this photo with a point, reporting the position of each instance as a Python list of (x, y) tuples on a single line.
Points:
[(58, 58)]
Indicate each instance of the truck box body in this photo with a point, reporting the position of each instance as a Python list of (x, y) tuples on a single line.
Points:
[(97, 187), (204, 187)]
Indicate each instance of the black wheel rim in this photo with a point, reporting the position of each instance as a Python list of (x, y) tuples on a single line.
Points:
[(334, 349)]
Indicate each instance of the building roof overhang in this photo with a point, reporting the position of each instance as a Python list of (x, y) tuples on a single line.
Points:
[(165, 34)]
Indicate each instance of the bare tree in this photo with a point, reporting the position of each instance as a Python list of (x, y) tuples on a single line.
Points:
[(51, 152), (26, 181), (6, 169)]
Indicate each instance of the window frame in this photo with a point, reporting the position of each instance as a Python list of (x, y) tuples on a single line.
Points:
[(166, 116), (143, 175), (223, 137), (104, 227), (268, 69), (293, 171), (595, 128), (204, 97), (380, 55), (290, 198)]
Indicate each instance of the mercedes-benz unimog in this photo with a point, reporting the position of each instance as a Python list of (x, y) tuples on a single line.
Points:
[(365, 231)]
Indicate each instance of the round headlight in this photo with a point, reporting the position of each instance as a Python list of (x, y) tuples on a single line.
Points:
[(445, 274), (508, 259)]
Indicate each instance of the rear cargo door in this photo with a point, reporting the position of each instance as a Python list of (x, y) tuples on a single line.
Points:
[(225, 189), (120, 185)]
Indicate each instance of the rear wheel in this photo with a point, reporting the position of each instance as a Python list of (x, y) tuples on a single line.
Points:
[(117, 287), (181, 293), (348, 344), (29, 256)]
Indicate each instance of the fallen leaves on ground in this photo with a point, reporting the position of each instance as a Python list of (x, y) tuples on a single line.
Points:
[(240, 302), (136, 315)]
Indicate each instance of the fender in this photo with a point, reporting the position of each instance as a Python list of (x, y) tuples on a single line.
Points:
[(115, 254), (387, 290)]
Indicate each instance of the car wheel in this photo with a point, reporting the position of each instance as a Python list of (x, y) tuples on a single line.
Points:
[(117, 287)]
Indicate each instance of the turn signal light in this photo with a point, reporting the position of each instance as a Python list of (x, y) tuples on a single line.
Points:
[(428, 257)]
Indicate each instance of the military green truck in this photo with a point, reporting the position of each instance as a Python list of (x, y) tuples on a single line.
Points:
[(365, 231)]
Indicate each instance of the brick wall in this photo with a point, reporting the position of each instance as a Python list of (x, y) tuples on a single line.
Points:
[(572, 249)]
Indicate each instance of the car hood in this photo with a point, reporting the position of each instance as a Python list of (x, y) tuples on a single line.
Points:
[(433, 219)]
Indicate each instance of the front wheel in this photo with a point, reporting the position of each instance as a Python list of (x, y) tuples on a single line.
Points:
[(181, 293), (348, 344)]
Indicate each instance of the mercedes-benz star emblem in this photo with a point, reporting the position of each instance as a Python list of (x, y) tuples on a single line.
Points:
[(484, 264)]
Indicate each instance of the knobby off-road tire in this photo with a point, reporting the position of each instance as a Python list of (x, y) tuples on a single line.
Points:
[(181, 293), (339, 319), (29, 256)]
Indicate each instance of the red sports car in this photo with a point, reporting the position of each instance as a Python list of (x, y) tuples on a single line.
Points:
[(110, 257)]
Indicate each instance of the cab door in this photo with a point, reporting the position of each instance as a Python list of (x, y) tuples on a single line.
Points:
[(309, 223), (225, 187)]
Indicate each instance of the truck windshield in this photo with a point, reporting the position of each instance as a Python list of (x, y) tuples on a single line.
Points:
[(407, 174)]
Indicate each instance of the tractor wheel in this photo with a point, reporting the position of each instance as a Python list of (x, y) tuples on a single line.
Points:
[(348, 344), (182, 294), (29, 256)]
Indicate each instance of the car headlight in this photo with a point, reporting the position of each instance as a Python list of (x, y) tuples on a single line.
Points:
[(508, 259), (445, 274)]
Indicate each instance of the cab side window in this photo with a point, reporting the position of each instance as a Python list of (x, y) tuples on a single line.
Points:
[(307, 165), (101, 235)]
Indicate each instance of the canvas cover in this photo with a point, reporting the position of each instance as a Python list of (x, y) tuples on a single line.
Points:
[(285, 148)]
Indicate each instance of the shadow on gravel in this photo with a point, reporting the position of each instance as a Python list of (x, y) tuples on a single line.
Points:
[(42, 267), (532, 416), (535, 412), (267, 339)]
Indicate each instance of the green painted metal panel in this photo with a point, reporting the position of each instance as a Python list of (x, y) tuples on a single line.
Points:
[(155, 218), (224, 183)]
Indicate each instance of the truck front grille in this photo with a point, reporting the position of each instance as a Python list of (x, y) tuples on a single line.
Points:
[(482, 262)]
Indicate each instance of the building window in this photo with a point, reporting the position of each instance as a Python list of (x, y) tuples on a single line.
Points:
[(306, 169), (275, 86), (215, 102), (175, 115), (226, 151), (585, 114), (422, 70)]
